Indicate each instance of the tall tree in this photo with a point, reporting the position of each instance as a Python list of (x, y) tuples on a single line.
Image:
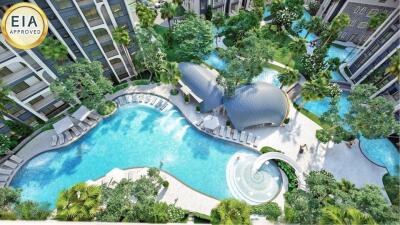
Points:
[(168, 11), (231, 211), (288, 77), (298, 46), (84, 82), (314, 90), (170, 73), (315, 25), (193, 37), (78, 203), (53, 49), (146, 15), (335, 27), (121, 37), (237, 26), (345, 216), (371, 117)]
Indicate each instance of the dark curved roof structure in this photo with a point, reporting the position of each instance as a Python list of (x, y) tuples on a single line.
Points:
[(257, 104), (202, 82)]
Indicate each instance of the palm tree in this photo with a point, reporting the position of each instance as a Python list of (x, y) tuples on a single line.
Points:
[(338, 23), (218, 20), (53, 49), (288, 78), (168, 11), (79, 203), (298, 46), (121, 36), (394, 66), (171, 72), (348, 216), (315, 25), (231, 211), (346, 186), (178, 2), (313, 90)]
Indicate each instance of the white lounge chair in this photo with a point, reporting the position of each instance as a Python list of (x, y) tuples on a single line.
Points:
[(242, 136), (117, 101), (163, 106), (5, 171), (68, 135), (16, 159), (154, 100), (235, 134), (228, 133), (94, 116), (222, 131), (76, 131), (54, 140), (198, 122), (82, 126), (249, 138), (10, 164), (61, 139), (89, 122), (256, 141), (160, 104)]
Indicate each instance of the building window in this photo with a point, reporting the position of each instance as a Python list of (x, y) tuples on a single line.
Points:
[(5, 72), (20, 87), (75, 22), (86, 39), (117, 10), (91, 14), (96, 54), (63, 4), (36, 100)]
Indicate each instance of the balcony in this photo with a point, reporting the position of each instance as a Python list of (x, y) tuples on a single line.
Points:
[(5, 56), (44, 102), (23, 95), (11, 78), (111, 53), (84, 2), (95, 22), (103, 38)]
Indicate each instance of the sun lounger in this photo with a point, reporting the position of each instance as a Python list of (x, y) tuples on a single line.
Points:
[(117, 101), (5, 171), (242, 136), (249, 138), (94, 116), (228, 133), (129, 98), (61, 139), (10, 164), (154, 100), (140, 98), (76, 131), (16, 159), (89, 122), (54, 140), (235, 134), (160, 104), (198, 122), (82, 126), (68, 135), (3, 179), (164, 105), (256, 139), (222, 131)]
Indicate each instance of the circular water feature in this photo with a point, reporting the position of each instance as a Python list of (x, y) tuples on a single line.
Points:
[(253, 188)]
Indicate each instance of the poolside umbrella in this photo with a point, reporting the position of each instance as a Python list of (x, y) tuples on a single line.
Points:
[(81, 113), (211, 122), (63, 125)]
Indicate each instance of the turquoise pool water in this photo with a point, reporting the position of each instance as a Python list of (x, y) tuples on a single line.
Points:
[(214, 60), (321, 106), (136, 136), (268, 75)]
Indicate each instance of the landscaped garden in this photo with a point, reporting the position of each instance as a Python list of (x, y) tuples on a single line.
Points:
[(52, 184)]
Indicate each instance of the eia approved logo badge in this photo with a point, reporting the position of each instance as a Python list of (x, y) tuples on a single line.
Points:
[(24, 25)]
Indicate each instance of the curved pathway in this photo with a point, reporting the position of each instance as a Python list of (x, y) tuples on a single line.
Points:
[(280, 156), (177, 193)]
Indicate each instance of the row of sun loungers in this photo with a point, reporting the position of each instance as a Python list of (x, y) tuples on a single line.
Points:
[(75, 131), (155, 101), (8, 168)]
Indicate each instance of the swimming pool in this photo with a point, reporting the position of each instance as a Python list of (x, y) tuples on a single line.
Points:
[(135, 136), (320, 106), (214, 60), (268, 75)]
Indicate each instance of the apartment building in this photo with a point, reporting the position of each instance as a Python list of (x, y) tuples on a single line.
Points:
[(369, 65), (360, 11), (85, 28), (229, 7)]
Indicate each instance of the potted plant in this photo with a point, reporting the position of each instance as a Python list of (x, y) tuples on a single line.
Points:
[(198, 108), (286, 121), (228, 123), (186, 99), (165, 184)]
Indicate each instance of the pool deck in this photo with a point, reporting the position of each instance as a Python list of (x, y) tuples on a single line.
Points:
[(338, 159)]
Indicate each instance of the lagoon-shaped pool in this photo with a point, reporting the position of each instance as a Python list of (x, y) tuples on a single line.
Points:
[(135, 136)]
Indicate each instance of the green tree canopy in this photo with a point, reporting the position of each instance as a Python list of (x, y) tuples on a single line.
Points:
[(121, 36), (333, 30), (284, 12), (168, 11), (237, 26), (288, 77), (394, 66), (347, 216), (376, 20), (146, 15), (5, 144), (230, 212), (30, 210), (83, 80), (193, 38), (81, 202), (53, 49)]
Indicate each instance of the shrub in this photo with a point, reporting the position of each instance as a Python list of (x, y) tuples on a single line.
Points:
[(392, 187), (174, 91), (5, 144), (197, 108), (186, 98), (201, 218), (165, 184), (106, 108), (228, 123), (120, 87), (231, 211), (270, 210), (290, 173), (32, 211), (175, 214), (4, 215), (141, 82), (267, 149), (19, 128), (286, 121)]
